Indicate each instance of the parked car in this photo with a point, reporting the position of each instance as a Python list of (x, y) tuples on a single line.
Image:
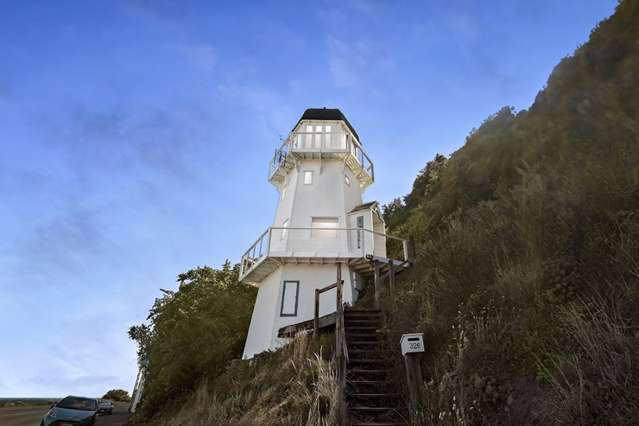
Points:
[(72, 410), (105, 406)]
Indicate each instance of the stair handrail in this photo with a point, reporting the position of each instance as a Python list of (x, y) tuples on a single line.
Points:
[(341, 352), (318, 292)]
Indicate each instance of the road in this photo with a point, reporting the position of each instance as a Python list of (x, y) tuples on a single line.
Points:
[(31, 416)]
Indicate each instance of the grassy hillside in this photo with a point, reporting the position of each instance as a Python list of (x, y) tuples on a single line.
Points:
[(528, 261), (526, 286)]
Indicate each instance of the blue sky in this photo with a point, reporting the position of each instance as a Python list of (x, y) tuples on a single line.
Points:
[(135, 136)]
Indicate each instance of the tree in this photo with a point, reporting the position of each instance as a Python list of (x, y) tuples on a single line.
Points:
[(119, 395), (193, 332)]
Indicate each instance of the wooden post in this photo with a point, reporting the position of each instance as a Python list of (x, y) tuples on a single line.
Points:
[(316, 317), (415, 382), (339, 349), (413, 347), (391, 277), (377, 284)]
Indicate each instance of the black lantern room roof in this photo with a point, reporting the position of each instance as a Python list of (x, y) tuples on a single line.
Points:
[(326, 114)]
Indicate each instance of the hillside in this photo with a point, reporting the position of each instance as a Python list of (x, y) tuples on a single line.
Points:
[(526, 282)]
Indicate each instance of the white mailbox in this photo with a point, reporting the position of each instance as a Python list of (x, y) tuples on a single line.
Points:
[(413, 342)]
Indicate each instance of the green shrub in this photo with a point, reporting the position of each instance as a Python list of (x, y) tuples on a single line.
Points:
[(193, 333)]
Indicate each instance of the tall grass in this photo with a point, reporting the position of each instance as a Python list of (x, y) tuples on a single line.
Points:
[(295, 385)]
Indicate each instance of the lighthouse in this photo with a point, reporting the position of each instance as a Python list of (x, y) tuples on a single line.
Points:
[(321, 221)]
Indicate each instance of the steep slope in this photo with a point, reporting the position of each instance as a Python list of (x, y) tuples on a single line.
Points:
[(528, 261)]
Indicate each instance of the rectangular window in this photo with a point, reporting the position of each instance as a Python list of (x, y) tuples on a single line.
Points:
[(318, 137), (341, 141), (309, 137), (360, 225), (308, 177), (290, 295), (324, 227)]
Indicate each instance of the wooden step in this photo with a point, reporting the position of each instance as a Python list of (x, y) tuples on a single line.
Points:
[(361, 384), (374, 395), (363, 333), (352, 321), (361, 328), (366, 361), (364, 343), (357, 355), (360, 336), (359, 314), (363, 352), (358, 339), (378, 424), (374, 409), (366, 371)]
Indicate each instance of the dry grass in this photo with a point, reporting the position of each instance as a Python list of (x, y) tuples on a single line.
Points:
[(295, 385), (594, 370)]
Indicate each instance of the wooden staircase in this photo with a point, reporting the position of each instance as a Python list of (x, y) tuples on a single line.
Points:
[(369, 399)]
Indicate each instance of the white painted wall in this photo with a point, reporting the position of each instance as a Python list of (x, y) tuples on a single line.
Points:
[(327, 196), (267, 321), (261, 331), (286, 195)]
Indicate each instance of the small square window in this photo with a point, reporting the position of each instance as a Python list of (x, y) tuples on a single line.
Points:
[(308, 177), (347, 180)]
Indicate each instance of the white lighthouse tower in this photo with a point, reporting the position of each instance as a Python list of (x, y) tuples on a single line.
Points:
[(320, 172)]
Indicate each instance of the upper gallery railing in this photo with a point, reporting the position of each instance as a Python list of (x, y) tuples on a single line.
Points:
[(322, 141), (321, 242)]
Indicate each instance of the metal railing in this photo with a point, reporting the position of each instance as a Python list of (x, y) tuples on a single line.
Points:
[(320, 141), (321, 242), (278, 159), (363, 159), (324, 142)]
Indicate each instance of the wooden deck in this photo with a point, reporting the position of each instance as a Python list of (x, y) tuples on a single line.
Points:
[(325, 322), (366, 265)]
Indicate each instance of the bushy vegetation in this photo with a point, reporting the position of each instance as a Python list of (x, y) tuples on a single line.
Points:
[(119, 395), (192, 334), (191, 351), (527, 279)]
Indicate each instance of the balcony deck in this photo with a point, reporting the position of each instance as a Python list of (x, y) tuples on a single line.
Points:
[(277, 246), (340, 144)]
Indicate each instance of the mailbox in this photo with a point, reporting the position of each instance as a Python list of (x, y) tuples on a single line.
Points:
[(411, 343)]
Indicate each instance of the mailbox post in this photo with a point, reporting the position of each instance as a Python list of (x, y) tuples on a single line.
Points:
[(412, 347)]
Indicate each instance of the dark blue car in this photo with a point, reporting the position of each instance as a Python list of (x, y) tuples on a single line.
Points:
[(72, 411)]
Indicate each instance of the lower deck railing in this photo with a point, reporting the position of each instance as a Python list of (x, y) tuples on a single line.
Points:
[(322, 242)]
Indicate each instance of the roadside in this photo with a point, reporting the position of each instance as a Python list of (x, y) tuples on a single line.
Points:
[(31, 416)]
